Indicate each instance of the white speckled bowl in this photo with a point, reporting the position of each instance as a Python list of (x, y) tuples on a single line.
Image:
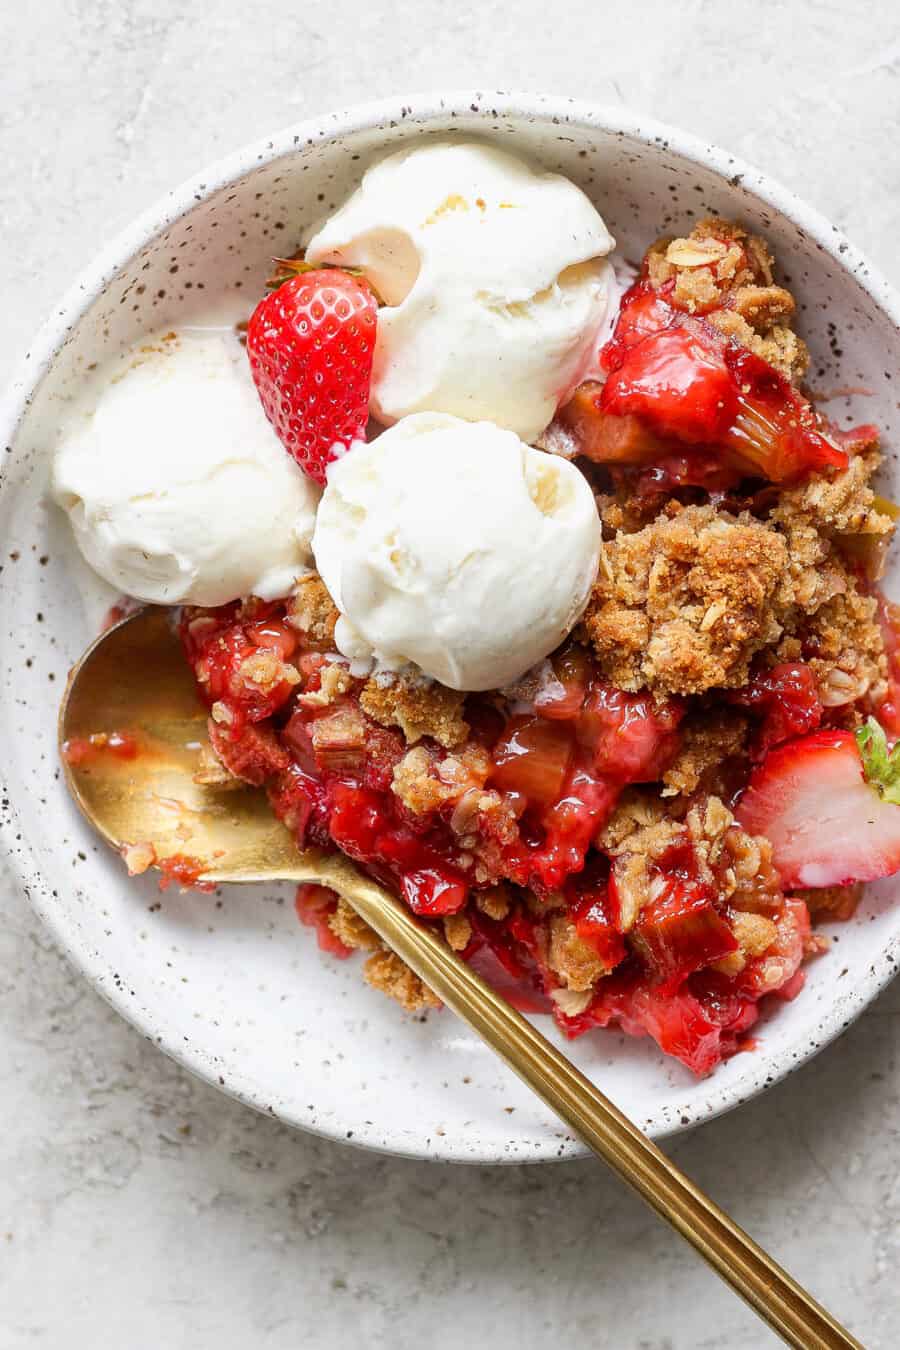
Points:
[(230, 985)]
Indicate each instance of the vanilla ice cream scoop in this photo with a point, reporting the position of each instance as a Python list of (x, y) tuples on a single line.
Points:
[(492, 278), (455, 546), (177, 487)]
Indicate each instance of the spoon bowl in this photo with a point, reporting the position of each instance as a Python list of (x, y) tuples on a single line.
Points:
[(134, 690)]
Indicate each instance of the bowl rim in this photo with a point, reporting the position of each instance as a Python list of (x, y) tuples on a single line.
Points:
[(429, 106)]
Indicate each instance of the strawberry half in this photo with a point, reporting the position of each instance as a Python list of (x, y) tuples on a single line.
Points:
[(828, 803), (311, 344)]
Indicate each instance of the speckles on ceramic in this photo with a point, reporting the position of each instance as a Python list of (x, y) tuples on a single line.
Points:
[(229, 984)]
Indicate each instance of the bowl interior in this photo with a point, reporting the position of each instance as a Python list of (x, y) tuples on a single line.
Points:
[(229, 983)]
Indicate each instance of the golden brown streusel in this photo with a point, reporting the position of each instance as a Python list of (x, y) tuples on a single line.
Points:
[(311, 609), (779, 345), (625, 512), (709, 738), (840, 502), (642, 829), (843, 645), (336, 681), (418, 707), (832, 902), (424, 780), (719, 267), (684, 605), (637, 835), (264, 670), (457, 931), (755, 935), (352, 930), (494, 901), (385, 971), (578, 965)]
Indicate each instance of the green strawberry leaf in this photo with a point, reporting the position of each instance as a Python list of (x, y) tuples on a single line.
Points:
[(881, 766)]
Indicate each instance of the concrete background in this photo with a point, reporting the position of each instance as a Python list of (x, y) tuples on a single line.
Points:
[(138, 1208)]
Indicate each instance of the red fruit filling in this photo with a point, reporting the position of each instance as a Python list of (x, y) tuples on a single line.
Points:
[(786, 699), (676, 380), (702, 1021), (553, 776), (315, 906), (80, 750)]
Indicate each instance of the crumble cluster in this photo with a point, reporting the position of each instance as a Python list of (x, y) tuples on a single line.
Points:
[(685, 604), (720, 267)]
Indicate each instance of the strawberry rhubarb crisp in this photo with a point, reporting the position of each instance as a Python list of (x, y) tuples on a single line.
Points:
[(581, 649)]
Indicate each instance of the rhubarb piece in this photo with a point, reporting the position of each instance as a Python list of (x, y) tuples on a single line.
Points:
[(608, 437), (533, 758), (775, 432), (254, 758), (680, 931)]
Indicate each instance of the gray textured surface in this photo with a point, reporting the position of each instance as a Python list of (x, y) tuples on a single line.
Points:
[(141, 1209)]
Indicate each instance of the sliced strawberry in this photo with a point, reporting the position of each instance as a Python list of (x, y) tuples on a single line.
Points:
[(310, 345), (828, 825)]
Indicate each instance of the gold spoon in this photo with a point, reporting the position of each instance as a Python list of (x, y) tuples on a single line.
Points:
[(135, 680)]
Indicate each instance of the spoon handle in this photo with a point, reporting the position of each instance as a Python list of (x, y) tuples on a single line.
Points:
[(771, 1292)]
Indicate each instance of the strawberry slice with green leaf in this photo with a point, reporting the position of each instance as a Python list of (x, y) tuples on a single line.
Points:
[(881, 763), (830, 804)]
